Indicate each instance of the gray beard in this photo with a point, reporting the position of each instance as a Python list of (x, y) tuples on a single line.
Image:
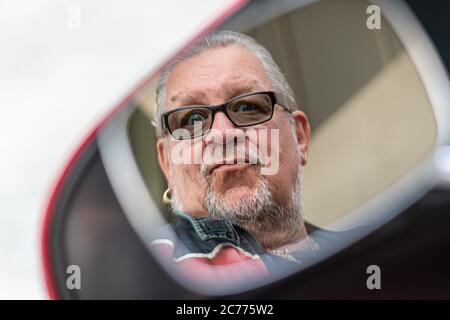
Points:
[(272, 224)]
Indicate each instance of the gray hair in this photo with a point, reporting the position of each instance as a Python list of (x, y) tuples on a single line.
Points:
[(222, 39)]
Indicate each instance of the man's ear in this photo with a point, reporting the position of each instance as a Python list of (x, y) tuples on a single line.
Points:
[(303, 132), (163, 158)]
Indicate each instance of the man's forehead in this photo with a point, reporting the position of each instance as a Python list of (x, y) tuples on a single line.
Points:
[(215, 75), (229, 90)]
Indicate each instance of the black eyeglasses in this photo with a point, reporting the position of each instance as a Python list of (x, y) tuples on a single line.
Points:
[(245, 110)]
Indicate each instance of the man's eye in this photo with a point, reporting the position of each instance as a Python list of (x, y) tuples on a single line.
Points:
[(245, 107), (190, 119)]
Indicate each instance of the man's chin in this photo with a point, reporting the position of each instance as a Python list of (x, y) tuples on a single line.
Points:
[(235, 179), (233, 195)]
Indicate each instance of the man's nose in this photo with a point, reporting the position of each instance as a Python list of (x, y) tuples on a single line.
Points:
[(223, 130)]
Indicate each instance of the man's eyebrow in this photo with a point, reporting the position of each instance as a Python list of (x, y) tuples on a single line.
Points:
[(244, 88), (187, 98), (194, 97)]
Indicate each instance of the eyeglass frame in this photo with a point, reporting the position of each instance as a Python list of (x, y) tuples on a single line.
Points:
[(275, 99)]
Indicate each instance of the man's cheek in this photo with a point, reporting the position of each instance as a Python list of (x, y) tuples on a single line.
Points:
[(269, 151), (189, 183), (186, 153), (188, 172)]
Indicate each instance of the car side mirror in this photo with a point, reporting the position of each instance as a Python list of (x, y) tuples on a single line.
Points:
[(377, 101)]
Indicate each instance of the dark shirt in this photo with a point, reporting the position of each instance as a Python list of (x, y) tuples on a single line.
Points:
[(218, 242)]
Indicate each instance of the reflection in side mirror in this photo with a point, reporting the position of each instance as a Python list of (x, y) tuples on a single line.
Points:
[(352, 122), (361, 133)]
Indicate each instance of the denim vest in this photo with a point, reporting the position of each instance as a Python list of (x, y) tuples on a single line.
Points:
[(202, 235)]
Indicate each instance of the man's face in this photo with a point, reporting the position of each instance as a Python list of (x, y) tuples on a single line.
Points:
[(211, 78)]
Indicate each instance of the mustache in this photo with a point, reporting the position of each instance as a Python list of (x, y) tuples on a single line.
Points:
[(218, 155)]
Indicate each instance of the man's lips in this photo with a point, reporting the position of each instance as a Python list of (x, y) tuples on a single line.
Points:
[(230, 165), (222, 167)]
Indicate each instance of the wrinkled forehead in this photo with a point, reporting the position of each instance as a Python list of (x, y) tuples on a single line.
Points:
[(214, 76)]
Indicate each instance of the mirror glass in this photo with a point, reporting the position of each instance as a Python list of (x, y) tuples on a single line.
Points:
[(367, 109)]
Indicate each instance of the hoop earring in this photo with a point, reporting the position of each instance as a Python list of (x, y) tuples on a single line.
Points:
[(166, 199)]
